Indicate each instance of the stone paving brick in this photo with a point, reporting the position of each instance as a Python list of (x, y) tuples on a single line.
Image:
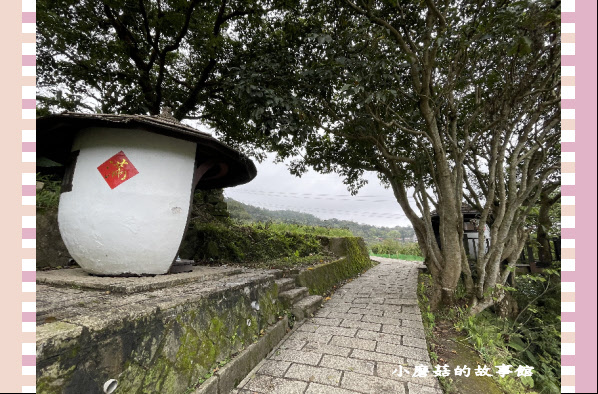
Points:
[(346, 316), (404, 351), (340, 303), (294, 344), (327, 349), (311, 337), (385, 307), (415, 342), (274, 368), (269, 384), (401, 315), (389, 292), (413, 324), (297, 356), (308, 327), (374, 312), (346, 332), (380, 337), (327, 321), (336, 308), (401, 301), (348, 364), (361, 325), (314, 374), (371, 384), (373, 356), (322, 312), (411, 309), (412, 332), (353, 343), (381, 320), (316, 388), (419, 389)]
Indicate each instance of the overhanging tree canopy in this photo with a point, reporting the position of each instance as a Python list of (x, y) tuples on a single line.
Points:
[(135, 56), (458, 101)]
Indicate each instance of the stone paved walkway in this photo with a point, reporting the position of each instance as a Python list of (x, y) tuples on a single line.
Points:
[(356, 343)]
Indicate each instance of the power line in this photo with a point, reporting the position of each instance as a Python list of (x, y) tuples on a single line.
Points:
[(314, 196)]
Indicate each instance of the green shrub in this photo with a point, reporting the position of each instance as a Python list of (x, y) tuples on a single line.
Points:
[(215, 241), (283, 228)]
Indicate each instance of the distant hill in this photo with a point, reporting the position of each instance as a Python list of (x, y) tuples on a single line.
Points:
[(371, 234)]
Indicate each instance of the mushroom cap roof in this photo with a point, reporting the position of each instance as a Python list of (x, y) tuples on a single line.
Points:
[(55, 135)]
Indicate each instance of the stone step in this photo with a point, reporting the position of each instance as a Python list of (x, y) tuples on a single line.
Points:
[(290, 297), (285, 284), (306, 307)]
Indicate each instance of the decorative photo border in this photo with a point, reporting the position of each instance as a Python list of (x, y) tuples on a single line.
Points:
[(578, 80)]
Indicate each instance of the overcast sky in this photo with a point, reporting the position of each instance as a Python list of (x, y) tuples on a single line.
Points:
[(322, 195)]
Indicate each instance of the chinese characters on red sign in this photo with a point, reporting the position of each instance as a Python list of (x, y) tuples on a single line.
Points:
[(117, 169)]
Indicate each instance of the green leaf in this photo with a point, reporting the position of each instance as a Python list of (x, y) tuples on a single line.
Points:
[(527, 381), (531, 356)]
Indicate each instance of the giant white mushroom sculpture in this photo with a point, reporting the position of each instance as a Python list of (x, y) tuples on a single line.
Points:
[(128, 186)]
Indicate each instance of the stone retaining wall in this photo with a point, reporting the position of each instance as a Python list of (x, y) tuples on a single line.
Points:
[(321, 278), (165, 350)]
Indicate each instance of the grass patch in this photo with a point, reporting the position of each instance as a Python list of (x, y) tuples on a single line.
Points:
[(394, 247)]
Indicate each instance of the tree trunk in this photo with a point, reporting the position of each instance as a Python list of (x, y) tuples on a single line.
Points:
[(544, 224), (441, 297), (447, 279)]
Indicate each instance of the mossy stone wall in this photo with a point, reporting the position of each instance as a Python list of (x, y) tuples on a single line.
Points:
[(168, 351), (322, 278)]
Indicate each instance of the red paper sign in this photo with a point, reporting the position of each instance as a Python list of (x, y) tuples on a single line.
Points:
[(117, 169)]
